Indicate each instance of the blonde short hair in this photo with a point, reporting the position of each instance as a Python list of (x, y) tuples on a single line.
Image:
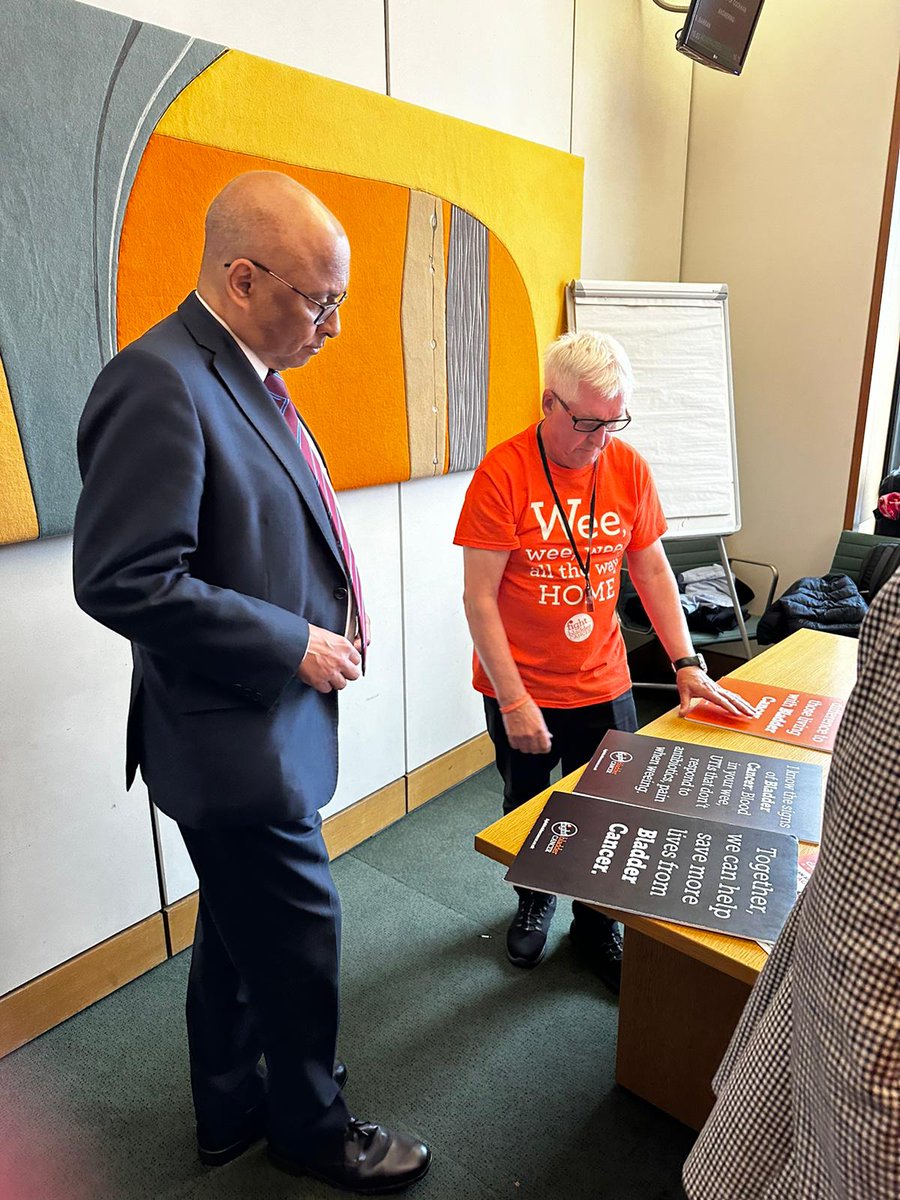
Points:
[(593, 358)]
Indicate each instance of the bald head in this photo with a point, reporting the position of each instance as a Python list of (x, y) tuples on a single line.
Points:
[(265, 222), (261, 215)]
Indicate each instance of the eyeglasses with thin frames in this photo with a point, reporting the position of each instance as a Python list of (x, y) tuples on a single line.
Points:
[(591, 424), (325, 310)]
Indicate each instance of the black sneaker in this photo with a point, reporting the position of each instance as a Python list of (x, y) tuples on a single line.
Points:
[(599, 942), (526, 938)]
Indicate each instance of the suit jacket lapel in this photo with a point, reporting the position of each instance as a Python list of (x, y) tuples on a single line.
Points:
[(250, 394)]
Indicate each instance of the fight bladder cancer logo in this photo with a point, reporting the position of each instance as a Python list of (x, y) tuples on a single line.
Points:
[(562, 831), (617, 761)]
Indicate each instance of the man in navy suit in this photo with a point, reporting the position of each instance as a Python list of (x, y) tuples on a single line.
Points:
[(203, 537)]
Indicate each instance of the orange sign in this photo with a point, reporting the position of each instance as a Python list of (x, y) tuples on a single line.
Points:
[(797, 718)]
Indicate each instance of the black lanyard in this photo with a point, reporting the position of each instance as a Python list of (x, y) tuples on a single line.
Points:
[(585, 564)]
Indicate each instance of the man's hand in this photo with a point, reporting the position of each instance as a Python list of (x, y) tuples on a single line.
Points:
[(330, 661), (357, 641), (694, 684), (526, 729)]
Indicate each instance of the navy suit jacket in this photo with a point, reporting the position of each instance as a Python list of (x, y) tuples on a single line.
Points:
[(200, 536)]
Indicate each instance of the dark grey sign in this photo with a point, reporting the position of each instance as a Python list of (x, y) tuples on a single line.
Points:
[(707, 874), (754, 790)]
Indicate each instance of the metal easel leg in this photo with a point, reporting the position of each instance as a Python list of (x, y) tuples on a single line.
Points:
[(729, 579)]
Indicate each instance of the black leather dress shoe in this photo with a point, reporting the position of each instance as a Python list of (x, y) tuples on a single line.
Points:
[(214, 1152), (369, 1160)]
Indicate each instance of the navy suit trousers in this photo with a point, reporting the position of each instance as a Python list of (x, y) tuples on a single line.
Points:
[(264, 982)]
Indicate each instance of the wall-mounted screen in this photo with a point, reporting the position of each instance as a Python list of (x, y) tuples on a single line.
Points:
[(717, 33)]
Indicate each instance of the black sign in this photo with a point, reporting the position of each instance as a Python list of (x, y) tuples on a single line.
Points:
[(753, 790), (707, 874)]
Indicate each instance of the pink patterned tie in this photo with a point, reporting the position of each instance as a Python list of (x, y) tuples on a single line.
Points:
[(276, 386)]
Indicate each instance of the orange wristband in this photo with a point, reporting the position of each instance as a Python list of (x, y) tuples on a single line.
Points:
[(522, 700)]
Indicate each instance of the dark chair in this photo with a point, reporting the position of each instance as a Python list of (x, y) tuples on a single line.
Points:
[(853, 549)]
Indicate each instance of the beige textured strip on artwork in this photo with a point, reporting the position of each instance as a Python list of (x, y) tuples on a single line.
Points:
[(424, 326)]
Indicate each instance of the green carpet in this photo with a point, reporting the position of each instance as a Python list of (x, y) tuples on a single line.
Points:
[(508, 1074)]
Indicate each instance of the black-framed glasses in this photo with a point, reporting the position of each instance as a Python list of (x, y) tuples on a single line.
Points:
[(591, 424), (325, 310)]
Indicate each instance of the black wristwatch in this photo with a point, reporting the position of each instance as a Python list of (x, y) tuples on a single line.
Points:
[(693, 660)]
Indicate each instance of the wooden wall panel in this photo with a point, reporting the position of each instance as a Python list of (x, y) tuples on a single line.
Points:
[(44, 1002)]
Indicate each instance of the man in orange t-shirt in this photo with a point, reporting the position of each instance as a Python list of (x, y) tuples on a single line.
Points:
[(548, 517)]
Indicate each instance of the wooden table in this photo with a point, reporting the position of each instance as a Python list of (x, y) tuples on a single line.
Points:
[(683, 989)]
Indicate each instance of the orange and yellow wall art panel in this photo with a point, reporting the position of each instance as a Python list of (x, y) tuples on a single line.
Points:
[(462, 242)]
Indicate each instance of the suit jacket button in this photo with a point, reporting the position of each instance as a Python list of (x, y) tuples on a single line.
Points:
[(340, 593)]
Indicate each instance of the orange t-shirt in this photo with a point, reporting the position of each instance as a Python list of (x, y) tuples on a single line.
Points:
[(566, 656)]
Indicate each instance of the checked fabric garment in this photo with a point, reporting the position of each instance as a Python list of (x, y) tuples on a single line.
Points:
[(276, 386), (808, 1092)]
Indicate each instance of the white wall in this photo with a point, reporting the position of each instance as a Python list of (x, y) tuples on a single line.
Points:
[(76, 854), (507, 65), (785, 180), (442, 709), (343, 39), (630, 123)]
